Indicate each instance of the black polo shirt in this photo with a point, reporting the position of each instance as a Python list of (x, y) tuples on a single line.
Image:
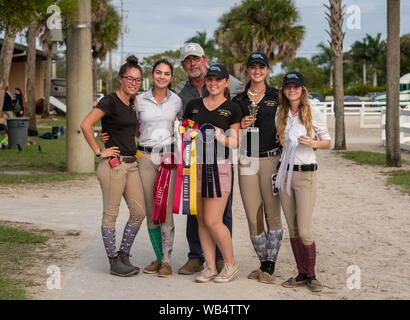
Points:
[(120, 122), (222, 117), (265, 118)]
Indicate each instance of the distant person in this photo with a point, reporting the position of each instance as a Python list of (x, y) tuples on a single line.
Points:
[(258, 166), (298, 125), (8, 107), (18, 102), (195, 64), (117, 171), (218, 112)]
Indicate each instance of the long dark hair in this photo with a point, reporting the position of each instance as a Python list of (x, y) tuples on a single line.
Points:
[(132, 62), (164, 61)]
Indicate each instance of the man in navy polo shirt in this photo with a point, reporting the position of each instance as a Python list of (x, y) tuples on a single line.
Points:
[(195, 64)]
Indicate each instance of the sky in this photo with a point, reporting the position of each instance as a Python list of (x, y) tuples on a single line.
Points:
[(158, 25)]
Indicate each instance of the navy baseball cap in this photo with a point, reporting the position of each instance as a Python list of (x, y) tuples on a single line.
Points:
[(259, 57), (218, 70), (294, 77)]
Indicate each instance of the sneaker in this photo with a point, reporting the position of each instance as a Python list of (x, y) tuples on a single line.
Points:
[(165, 270), (254, 274), (206, 275), (265, 277), (227, 274), (120, 269), (153, 267), (191, 267)]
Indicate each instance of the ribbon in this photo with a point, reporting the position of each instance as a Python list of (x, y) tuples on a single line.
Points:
[(186, 174), (288, 157), (210, 164), (161, 187)]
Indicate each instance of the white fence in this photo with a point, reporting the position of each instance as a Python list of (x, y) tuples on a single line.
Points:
[(404, 129), (366, 110)]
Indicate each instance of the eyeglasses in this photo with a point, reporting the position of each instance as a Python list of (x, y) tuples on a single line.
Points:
[(190, 60), (131, 79)]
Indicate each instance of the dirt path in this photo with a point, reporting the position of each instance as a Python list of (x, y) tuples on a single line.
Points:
[(359, 222)]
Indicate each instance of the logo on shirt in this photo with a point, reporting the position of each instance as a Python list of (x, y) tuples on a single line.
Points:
[(270, 103), (195, 111), (224, 113)]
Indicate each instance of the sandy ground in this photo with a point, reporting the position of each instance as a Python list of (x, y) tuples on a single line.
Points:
[(360, 225)]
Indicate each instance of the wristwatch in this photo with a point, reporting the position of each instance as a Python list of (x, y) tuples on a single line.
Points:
[(99, 153)]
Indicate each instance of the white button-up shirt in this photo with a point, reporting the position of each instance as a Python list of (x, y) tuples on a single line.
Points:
[(157, 120), (305, 154)]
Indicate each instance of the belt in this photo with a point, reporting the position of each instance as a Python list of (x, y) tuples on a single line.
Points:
[(303, 167), (168, 148), (272, 153), (128, 159)]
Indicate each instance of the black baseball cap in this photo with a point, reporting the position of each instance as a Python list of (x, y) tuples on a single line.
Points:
[(259, 57), (294, 77), (218, 70)]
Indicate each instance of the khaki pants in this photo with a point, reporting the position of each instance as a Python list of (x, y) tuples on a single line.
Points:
[(255, 183), (148, 172), (121, 181), (298, 207)]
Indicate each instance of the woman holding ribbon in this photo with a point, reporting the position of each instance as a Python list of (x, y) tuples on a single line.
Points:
[(215, 114), (301, 130), (258, 162), (156, 110), (118, 171)]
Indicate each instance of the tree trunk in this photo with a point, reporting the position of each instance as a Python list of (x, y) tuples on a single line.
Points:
[(364, 74), (393, 156), (109, 76), (6, 57), (335, 19), (31, 77), (340, 135), (47, 83), (375, 78), (80, 158)]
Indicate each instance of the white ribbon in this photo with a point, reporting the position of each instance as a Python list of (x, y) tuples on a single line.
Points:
[(288, 158)]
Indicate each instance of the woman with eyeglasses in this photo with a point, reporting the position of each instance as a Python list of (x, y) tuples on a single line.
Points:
[(301, 130), (117, 171), (258, 161), (157, 109)]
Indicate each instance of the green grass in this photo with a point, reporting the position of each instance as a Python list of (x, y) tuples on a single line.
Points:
[(11, 289), (8, 234), (400, 178), (365, 157), (17, 248), (51, 161)]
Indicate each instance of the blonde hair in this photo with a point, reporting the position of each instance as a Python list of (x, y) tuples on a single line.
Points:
[(305, 114)]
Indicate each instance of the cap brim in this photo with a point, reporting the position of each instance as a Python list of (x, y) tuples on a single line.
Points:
[(258, 61), (182, 58)]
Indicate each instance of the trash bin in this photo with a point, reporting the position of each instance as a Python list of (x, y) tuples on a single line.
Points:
[(17, 132), (57, 132)]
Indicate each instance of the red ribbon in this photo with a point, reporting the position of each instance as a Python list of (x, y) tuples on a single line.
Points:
[(161, 187)]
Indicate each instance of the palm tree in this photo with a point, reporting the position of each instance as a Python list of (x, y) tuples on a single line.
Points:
[(360, 52), (335, 19), (105, 32), (393, 157), (325, 57), (376, 48), (259, 25)]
